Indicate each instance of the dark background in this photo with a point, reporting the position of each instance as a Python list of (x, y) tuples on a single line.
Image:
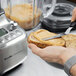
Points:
[(61, 0), (67, 1)]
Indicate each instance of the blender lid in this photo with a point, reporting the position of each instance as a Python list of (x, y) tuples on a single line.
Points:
[(63, 11)]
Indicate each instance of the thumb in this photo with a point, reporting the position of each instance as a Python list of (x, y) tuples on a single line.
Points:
[(73, 15), (34, 48)]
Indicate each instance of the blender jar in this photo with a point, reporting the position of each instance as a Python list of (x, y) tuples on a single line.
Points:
[(27, 13)]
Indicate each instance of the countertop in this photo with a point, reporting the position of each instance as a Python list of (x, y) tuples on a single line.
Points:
[(35, 66)]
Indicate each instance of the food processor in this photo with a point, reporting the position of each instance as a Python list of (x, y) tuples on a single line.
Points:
[(60, 19), (13, 43), (27, 13)]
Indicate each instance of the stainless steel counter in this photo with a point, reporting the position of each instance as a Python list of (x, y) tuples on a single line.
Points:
[(35, 66)]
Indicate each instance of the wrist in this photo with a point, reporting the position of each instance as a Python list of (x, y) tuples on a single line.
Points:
[(67, 54), (73, 70)]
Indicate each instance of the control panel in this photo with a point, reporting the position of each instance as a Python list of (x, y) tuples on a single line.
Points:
[(10, 32)]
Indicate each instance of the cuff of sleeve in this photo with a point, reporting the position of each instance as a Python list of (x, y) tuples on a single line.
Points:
[(68, 64)]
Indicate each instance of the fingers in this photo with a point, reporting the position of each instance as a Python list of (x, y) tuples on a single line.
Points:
[(35, 49), (74, 15)]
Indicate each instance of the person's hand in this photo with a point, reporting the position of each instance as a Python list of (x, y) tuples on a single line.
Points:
[(73, 15), (55, 54)]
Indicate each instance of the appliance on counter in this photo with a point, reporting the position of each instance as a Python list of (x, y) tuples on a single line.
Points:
[(13, 46), (60, 19)]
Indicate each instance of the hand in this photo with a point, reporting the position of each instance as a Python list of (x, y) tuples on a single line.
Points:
[(74, 15), (55, 54)]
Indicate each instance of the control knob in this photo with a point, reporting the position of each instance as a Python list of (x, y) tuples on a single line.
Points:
[(11, 27)]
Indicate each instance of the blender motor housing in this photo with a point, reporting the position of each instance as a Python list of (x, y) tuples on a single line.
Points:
[(13, 45)]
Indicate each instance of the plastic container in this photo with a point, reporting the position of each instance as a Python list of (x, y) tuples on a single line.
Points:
[(27, 13)]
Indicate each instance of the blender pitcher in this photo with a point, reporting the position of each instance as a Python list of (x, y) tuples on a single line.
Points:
[(28, 13)]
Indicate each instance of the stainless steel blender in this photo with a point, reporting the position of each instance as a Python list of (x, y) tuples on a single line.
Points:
[(13, 43)]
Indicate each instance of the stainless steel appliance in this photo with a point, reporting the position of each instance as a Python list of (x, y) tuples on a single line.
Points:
[(13, 45)]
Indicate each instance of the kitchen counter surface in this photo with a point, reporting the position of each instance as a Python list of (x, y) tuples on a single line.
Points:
[(35, 66)]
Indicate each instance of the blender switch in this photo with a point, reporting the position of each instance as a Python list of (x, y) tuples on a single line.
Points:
[(11, 27)]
